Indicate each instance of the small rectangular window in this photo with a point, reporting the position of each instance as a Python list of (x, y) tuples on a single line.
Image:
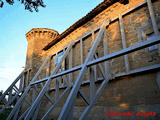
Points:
[(57, 60)]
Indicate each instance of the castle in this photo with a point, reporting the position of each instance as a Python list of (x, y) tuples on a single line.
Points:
[(109, 61)]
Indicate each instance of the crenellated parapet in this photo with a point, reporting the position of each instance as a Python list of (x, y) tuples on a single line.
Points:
[(39, 37), (42, 33)]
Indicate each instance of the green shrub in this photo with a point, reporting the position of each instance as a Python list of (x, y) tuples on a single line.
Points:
[(5, 113)]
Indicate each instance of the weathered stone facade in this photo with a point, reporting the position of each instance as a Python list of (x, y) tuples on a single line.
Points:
[(130, 93)]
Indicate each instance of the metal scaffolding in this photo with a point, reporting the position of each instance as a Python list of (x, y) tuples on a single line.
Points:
[(73, 87)]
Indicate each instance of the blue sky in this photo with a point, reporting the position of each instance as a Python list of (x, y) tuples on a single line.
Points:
[(15, 22)]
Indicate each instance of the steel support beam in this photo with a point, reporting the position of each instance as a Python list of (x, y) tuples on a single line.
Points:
[(68, 106), (128, 50)]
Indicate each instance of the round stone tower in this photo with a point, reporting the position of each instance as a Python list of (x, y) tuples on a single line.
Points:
[(37, 39)]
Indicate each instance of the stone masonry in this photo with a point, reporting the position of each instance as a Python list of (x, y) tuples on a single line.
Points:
[(132, 93)]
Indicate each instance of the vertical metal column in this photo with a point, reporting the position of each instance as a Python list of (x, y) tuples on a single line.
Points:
[(48, 67), (106, 64), (92, 83), (81, 50), (69, 104), (151, 12), (94, 67), (127, 68), (70, 66), (155, 26), (156, 31), (44, 89), (25, 92)]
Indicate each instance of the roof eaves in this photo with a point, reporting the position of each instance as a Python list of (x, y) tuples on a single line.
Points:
[(99, 8)]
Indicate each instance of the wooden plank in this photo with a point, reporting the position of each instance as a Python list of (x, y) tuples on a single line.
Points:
[(127, 68)]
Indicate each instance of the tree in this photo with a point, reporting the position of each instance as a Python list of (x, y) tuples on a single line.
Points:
[(1, 93), (29, 4), (2, 102)]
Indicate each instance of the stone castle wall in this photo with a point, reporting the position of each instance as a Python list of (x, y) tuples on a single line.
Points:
[(133, 93)]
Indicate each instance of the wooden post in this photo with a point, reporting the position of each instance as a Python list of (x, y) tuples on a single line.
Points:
[(124, 43)]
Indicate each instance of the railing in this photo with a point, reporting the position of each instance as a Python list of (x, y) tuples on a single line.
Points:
[(13, 92)]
